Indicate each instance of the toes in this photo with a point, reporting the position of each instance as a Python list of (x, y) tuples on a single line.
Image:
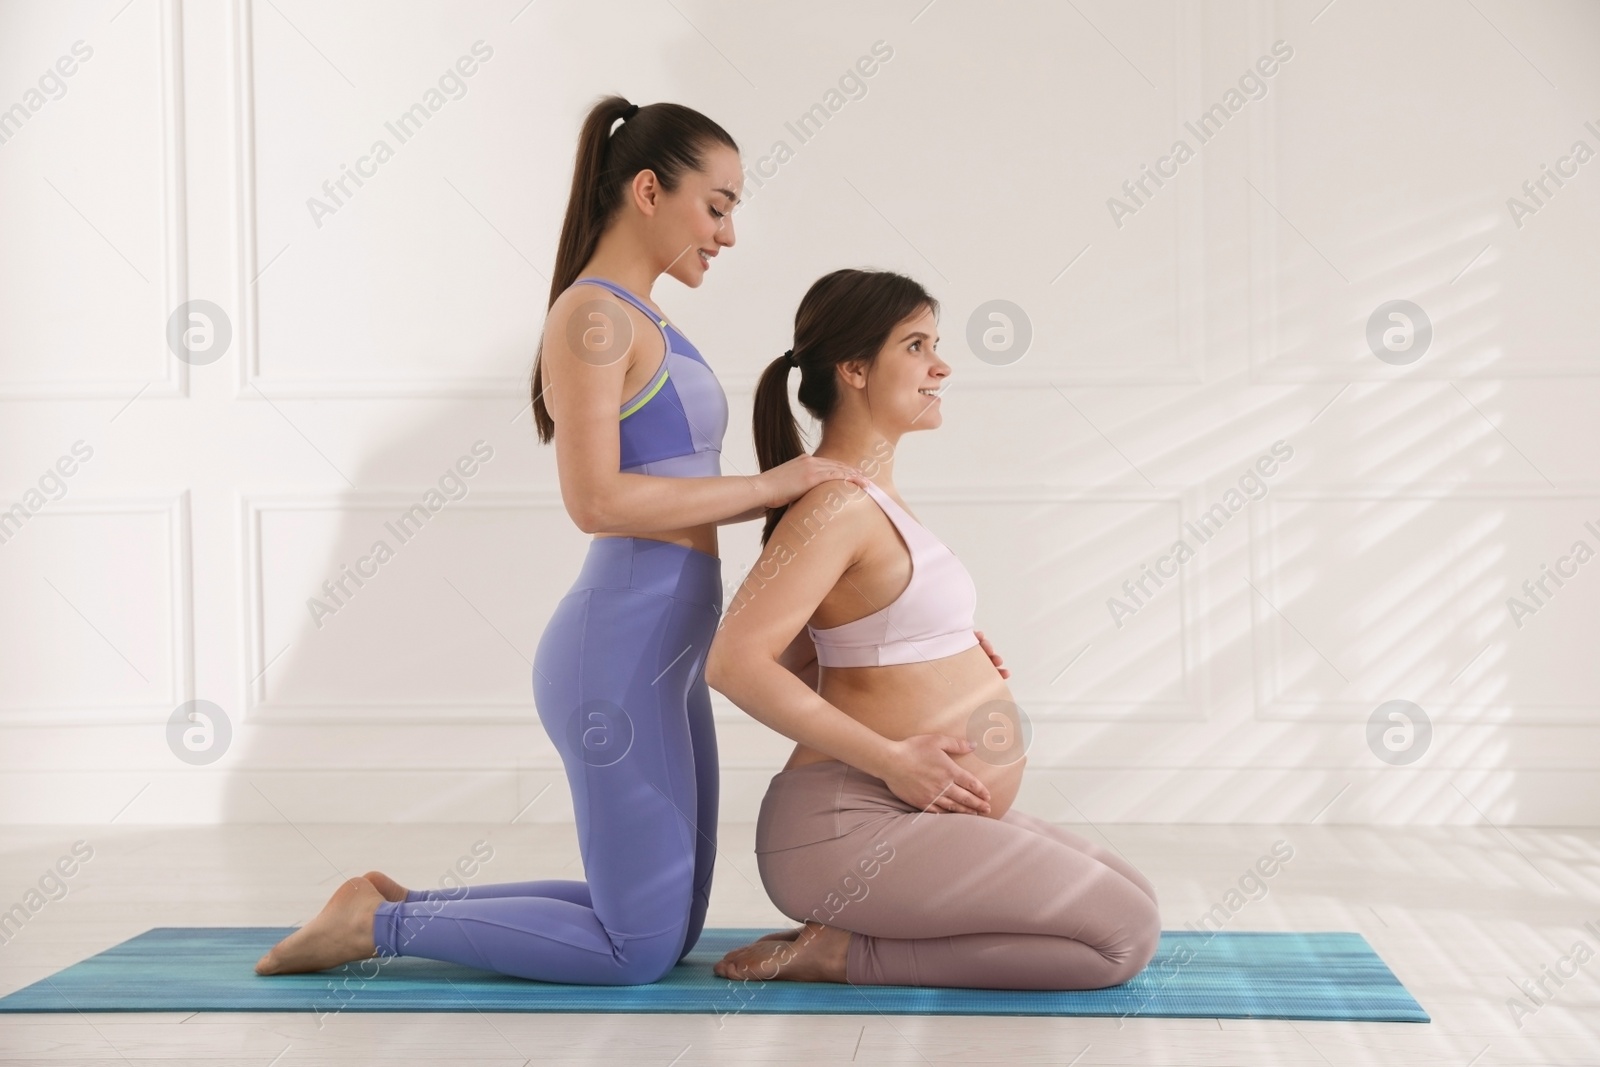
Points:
[(758, 964), (391, 890), (734, 965)]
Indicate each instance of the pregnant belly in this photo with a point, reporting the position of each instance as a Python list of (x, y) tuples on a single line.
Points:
[(962, 696)]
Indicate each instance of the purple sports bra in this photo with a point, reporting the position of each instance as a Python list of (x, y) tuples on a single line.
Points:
[(674, 426), (930, 619)]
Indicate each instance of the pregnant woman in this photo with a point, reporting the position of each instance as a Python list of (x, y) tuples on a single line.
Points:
[(905, 864), (637, 417)]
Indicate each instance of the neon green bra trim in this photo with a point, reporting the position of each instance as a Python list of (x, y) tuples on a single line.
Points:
[(645, 399)]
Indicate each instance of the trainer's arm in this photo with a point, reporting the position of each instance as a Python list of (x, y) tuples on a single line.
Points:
[(581, 395), (757, 512)]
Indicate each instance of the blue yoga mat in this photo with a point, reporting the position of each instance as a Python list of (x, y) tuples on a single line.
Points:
[(1228, 975)]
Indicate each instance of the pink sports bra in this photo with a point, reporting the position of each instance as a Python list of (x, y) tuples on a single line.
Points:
[(930, 619)]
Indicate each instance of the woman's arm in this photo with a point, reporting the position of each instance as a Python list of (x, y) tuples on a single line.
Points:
[(754, 657), (800, 659), (784, 697)]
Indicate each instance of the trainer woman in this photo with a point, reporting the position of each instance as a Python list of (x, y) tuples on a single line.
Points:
[(637, 417), (900, 876)]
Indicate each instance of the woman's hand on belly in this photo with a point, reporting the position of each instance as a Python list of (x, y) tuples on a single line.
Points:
[(921, 773), (1002, 780), (958, 698), (988, 650)]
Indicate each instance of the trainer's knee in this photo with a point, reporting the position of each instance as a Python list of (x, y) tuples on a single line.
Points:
[(650, 959)]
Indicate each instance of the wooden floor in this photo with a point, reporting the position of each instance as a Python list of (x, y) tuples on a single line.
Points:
[(1460, 915)]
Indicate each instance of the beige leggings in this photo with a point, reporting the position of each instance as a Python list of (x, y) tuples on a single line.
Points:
[(943, 899)]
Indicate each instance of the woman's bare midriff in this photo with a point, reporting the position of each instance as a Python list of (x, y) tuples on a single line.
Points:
[(939, 696), (700, 538)]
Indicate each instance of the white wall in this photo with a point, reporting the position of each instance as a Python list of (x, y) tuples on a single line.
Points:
[(371, 347)]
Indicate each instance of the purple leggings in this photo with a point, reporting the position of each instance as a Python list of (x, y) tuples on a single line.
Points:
[(944, 899), (619, 681)]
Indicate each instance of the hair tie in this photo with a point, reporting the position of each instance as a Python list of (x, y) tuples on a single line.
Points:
[(789, 357), (633, 109)]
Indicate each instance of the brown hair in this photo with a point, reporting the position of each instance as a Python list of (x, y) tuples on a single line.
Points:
[(845, 316), (665, 138)]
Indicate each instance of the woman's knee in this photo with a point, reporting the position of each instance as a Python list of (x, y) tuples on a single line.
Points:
[(792, 884), (1144, 884), (1141, 944)]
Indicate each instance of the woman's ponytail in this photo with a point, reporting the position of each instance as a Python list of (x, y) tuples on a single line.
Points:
[(777, 434)]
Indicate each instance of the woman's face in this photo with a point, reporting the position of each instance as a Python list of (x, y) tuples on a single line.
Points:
[(907, 364), (695, 222)]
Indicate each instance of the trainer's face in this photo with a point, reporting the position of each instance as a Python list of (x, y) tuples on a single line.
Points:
[(696, 220), (908, 364)]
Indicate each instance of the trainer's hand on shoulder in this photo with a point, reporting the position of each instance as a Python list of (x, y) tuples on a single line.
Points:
[(922, 774), (788, 482)]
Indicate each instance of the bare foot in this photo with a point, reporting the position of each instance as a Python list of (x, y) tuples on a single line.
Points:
[(817, 954), (339, 933), (782, 935), (392, 890)]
